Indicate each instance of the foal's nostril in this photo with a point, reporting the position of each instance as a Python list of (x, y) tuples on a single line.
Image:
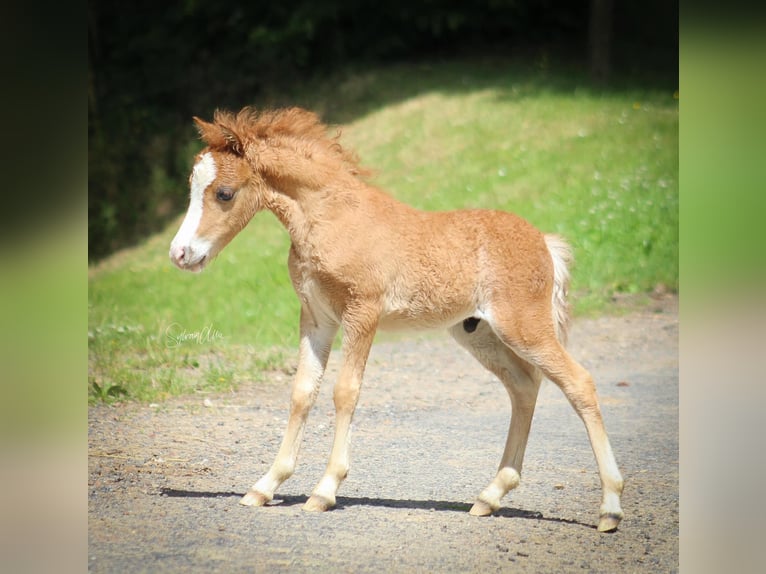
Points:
[(177, 254)]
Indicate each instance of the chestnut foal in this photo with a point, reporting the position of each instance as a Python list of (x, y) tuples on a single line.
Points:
[(361, 260)]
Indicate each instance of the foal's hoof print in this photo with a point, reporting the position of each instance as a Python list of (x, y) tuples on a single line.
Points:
[(253, 498)]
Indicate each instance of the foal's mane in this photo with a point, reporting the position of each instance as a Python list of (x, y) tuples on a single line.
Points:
[(295, 128)]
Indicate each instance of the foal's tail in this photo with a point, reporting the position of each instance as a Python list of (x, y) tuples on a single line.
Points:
[(561, 254)]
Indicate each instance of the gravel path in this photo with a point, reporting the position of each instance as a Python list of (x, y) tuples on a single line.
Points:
[(164, 481)]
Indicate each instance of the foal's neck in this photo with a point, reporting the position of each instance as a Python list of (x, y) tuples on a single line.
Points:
[(299, 209), (306, 190), (288, 209)]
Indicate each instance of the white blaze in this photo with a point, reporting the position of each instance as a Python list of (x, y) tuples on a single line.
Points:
[(203, 175)]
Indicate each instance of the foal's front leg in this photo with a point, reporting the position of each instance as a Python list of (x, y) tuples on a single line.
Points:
[(357, 340), (316, 342)]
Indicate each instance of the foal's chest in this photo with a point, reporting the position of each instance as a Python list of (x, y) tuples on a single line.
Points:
[(316, 295)]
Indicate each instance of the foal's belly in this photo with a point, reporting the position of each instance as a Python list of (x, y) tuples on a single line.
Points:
[(420, 314)]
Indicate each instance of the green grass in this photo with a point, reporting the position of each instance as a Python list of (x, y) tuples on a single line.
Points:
[(601, 168)]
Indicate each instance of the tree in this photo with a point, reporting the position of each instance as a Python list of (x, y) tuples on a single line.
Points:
[(600, 36)]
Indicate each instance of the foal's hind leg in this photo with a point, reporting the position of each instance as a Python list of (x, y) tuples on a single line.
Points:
[(522, 381), (536, 342)]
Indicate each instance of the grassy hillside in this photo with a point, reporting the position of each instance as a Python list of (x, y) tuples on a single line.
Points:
[(599, 168)]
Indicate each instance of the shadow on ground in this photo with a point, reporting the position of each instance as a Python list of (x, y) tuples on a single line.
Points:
[(344, 502)]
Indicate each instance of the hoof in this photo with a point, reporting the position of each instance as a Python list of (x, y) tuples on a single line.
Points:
[(481, 508), (609, 522), (254, 498), (318, 503)]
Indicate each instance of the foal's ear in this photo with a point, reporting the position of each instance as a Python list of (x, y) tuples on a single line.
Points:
[(219, 137), (209, 133)]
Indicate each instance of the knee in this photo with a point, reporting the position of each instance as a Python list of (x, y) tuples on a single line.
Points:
[(303, 398), (345, 397)]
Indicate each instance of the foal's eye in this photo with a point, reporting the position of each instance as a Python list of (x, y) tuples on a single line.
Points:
[(224, 194)]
